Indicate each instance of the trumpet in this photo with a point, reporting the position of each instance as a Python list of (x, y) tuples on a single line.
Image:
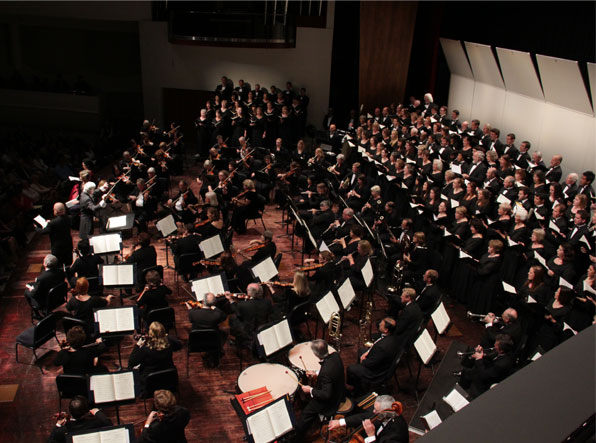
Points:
[(479, 317), (466, 354)]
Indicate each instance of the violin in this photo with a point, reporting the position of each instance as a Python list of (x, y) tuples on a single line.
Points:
[(207, 263), (239, 196), (395, 410), (255, 247), (311, 267), (202, 223)]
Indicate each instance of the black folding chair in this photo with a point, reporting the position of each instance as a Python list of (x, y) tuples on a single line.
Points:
[(203, 340), (164, 379), (165, 316), (56, 297), (37, 335), (70, 386)]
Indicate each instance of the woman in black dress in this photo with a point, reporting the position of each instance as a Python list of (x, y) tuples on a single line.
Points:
[(245, 204), (561, 266), (81, 305), (485, 280), (154, 295), (78, 359)]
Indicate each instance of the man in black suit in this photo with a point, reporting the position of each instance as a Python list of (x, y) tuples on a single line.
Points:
[(208, 317), (328, 119), (321, 220), (492, 181), (50, 277), (509, 147), (269, 249), (374, 362), (585, 185), (508, 324), (249, 314), (522, 157), (477, 171), (509, 190), (495, 144), (334, 138), (328, 392), (187, 244), (487, 370), (554, 173), (570, 188), (390, 428), (81, 419), (144, 257), (430, 294), (60, 239), (409, 318)]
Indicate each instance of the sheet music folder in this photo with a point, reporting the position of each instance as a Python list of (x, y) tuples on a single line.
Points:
[(167, 226), (270, 422), (265, 270), (109, 434), (216, 284), (114, 388)]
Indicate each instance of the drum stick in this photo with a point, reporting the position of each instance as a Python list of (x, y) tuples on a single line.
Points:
[(303, 363), (250, 397), (289, 375), (258, 405)]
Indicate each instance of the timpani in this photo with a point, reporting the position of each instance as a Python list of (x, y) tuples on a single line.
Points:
[(302, 357), (279, 379)]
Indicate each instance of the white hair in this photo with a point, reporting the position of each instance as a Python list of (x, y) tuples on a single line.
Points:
[(429, 96), (89, 187)]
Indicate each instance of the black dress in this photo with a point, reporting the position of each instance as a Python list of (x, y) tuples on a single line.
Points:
[(83, 310)]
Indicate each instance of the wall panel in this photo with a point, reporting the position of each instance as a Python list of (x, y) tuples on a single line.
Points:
[(461, 90), (488, 103), (519, 73)]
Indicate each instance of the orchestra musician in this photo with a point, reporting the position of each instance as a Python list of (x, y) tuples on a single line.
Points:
[(167, 421), (208, 316), (36, 293), (144, 257), (144, 205), (249, 314), (246, 204), (154, 294), (181, 204), (82, 306), (78, 359), (88, 210), (79, 418)]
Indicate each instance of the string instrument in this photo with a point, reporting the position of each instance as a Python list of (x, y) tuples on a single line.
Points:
[(239, 196), (267, 168), (202, 223), (109, 197), (193, 304), (61, 416), (288, 174), (395, 410), (311, 267), (207, 263), (172, 143), (255, 247), (133, 248)]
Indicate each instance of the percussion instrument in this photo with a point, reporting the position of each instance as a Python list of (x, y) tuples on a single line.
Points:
[(302, 357), (278, 379)]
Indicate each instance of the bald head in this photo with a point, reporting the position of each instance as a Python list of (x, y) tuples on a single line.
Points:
[(59, 209), (509, 315)]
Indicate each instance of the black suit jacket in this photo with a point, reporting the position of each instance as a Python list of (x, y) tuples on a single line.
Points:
[(269, 250), (329, 390), (48, 279), (488, 371), (428, 298), (478, 174), (554, 174), (252, 314), (394, 431), (379, 358), (206, 318), (407, 323), (60, 239), (85, 423)]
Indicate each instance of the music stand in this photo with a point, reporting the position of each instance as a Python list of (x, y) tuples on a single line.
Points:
[(113, 316), (106, 244), (118, 276), (283, 402), (120, 222), (71, 437), (216, 284), (273, 338), (167, 226), (92, 383)]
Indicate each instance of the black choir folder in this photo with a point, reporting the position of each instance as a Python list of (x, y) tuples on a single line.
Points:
[(109, 434), (111, 388), (116, 320), (274, 338), (270, 422)]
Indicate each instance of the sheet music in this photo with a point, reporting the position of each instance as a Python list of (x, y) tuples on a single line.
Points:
[(588, 288), (346, 293), (440, 318), (508, 288), (540, 259), (283, 333), (279, 417), (425, 347), (552, 225), (502, 199), (567, 327), (367, 273), (116, 222), (536, 356), (107, 320), (125, 319), (126, 274), (103, 244), (531, 300), (565, 283), (584, 240), (265, 270), (70, 203), (119, 435), (455, 400), (167, 225), (323, 246), (432, 419), (327, 306), (73, 178), (203, 286), (464, 254), (94, 437), (454, 203), (260, 427), (103, 388), (41, 221), (456, 169), (118, 275), (212, 246), (512, 242), (276, 337), (124, 386)]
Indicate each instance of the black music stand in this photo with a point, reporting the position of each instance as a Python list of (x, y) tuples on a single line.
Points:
[(120, 333), (119, 285), (130, 428), (106, 252), (118, 403), (244, 417), (120, 223), (167, 226), (261, 348)]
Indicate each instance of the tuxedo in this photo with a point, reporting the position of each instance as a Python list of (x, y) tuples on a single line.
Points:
[(511, 150), (486, 372), (60, 239), (408, 321), (48, 279), (477, 173), (374, 368), (554, 174), (496, 145), (428, 298), (522, 159), (570, 191), (394, 430)]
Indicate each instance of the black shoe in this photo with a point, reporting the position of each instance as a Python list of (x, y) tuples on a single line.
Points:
[(457, 373)]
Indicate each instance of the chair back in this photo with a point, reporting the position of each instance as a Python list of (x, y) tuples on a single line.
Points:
[(204, 340), (233, 285), (56, 297), (185, 262), (44, 330), (165, 316), (71, 385), (277, 260), (299, 313), (164, 379), (158, 268), (69, 322), (95, 288), (261, 201)]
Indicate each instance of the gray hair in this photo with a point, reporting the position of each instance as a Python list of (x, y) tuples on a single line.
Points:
[(319, 348), (254, 290), (343, 157), (573, 176), (151, 169), (521, 213), (438, 164), (89, 187), (385, 402), (50, 261)]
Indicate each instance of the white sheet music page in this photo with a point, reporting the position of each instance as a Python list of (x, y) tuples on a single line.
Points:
[(103, 388), (455, 400), (40, 221), (93, 437), (283, 333), (441, 318), (425, 347), (109, 275), (107, 320), (279, 417), (113, 242), (211, 246), (126, 275), (268, 339), (367, 273), (200, 288), (124, 386), (116, 222), (265, 270), (119, 435), (125, 319), (260, 427), (432, 419), (508, 288), (70, 203), (216, 285), (346, 293), (327, 306), (167, 225)]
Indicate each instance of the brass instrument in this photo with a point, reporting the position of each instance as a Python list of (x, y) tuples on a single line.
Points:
[(397, 278), (335, 330), (364, 325), (469, 353), (480, 317)]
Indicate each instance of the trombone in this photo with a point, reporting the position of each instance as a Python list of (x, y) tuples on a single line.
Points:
[(479, 317)]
